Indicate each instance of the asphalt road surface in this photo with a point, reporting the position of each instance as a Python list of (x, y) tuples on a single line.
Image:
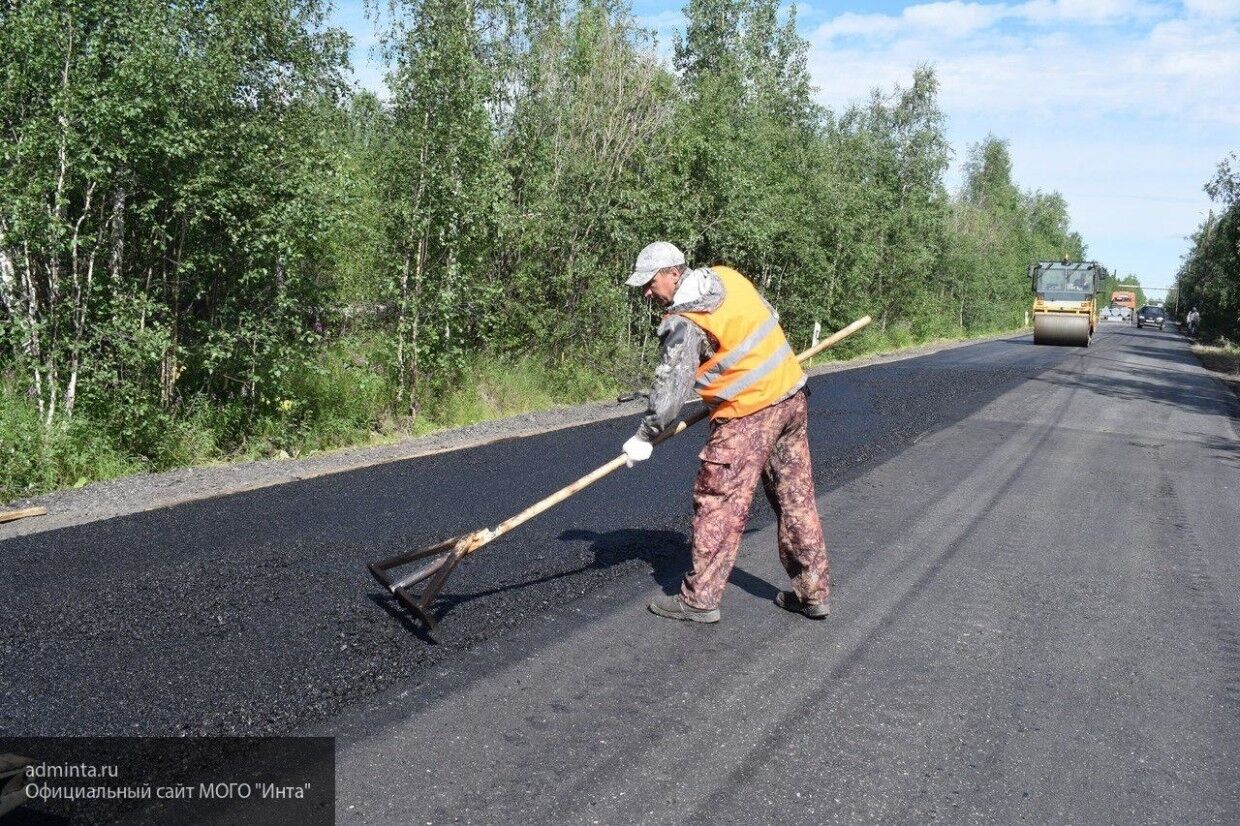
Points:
[(1036, 616)]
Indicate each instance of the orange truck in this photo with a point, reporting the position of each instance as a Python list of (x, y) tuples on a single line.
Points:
[(1123, 305)]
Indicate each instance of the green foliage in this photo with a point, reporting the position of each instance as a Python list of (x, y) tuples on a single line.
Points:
[(487, 387), (35, 458), (998, 230), (344, 397), (163, 200), (354, 260), (444, 184), (891, 156), (1209, 278), (584, 146), (209, 249)]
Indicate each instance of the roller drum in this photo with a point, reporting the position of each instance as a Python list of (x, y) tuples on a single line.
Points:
[(1064, 330)]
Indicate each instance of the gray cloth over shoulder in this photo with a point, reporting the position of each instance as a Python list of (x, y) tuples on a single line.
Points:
[(683, 346)]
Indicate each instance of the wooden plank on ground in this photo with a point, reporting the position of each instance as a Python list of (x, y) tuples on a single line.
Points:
[(9, 516)]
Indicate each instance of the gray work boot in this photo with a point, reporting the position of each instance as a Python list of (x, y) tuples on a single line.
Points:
[(789, 601), (673, 607)]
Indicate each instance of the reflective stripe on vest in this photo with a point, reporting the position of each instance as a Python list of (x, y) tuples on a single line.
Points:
[(753, 366)]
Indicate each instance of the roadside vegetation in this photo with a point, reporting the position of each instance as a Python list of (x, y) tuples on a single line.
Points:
[(212, 248), (1209, 278), (1223, 358)]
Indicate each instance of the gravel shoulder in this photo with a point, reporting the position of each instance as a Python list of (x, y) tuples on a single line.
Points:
[(151, 491)]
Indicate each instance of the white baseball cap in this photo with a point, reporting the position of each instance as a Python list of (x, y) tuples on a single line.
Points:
[(653, 258)]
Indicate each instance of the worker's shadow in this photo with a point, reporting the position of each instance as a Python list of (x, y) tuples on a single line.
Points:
[(667, 553)]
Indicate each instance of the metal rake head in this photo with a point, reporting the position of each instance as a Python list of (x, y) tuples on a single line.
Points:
[(444, 557)]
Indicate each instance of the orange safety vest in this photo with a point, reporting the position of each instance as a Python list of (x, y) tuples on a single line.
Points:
[(753, 366)]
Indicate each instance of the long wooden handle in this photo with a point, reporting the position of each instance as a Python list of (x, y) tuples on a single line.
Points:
[(476, 540), (805, 356), (11, 516)]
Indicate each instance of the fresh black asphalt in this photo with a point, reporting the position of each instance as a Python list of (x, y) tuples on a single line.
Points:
[(254, 613), (1035, 615)]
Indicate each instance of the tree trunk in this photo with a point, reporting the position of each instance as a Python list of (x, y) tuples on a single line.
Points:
[(82, 285), (116, 227), (419, 266), (56, 212), (34, 344), (411, 294), (402, 327)]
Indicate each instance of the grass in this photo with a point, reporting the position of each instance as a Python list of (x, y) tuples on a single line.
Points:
[(34, 459), (491, 388), (1222, 358), (346, 399)]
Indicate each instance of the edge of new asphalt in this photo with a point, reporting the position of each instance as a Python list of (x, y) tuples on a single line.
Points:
[(154, 491)]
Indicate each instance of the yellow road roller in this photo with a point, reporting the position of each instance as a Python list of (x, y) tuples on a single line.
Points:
[(1065, 307)]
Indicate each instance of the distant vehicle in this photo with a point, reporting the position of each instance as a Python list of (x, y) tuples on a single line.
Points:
[(1115, 313), (1126, 301), (1065, 301), (1149, 316)]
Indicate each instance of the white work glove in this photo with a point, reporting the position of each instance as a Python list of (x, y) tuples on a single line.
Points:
[(637, 449)]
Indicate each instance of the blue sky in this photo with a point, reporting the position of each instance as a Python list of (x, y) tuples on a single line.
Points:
[(1124, 106)]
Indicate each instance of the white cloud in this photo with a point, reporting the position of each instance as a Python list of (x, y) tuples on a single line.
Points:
[(957, 19), (1223, 9), (1122, 106), (1187, 68), (804, 10), (1097, 12), (942, 19), (851, 25), (953, 19)]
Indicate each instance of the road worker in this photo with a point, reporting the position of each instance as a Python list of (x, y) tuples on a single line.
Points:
[(722, 339)]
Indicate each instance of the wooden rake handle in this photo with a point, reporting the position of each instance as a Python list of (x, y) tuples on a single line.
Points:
[(23, 513), (472, 542)]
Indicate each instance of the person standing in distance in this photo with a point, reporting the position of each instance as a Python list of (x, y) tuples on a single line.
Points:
[(1194, 321), (722, 339)]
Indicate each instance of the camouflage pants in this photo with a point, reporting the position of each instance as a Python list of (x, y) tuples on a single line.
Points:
[(772, 444)]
